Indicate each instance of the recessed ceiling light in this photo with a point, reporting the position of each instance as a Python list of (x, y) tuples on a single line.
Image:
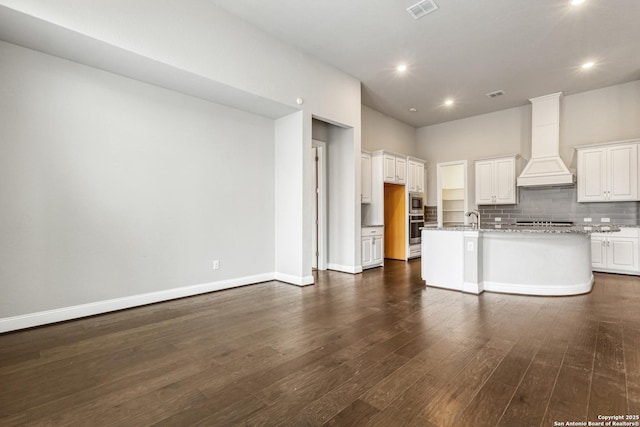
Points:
[(576, 2), (413, 110), (401, 68), (448, 102), (587, 65)]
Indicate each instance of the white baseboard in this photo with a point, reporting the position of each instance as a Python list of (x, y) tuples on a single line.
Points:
[(543, 290), (473, 288), (295, 280), (74, 312), (353, 269)]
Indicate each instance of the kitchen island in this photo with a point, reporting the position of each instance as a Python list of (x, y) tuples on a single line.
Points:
[(510, 259)]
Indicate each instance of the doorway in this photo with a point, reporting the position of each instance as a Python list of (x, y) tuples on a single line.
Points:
[(452, 193), (319, 201)]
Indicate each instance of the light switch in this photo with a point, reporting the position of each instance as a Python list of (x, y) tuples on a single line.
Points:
[(470, 246)]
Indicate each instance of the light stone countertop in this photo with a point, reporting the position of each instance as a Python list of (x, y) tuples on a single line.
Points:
[(504, 228)]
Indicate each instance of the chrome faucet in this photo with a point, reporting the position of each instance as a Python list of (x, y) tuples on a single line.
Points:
[(477, 215)]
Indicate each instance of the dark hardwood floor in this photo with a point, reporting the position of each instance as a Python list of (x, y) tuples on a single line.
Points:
[(375, 349)]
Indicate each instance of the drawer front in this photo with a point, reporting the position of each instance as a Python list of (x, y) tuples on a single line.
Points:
[(372, 231)]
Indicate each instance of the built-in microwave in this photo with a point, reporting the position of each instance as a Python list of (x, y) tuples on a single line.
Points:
[(415, 204)]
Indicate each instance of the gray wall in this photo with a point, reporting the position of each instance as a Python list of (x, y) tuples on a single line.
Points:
[(381, 132), (342, 252), (608, 114), (111, 187)]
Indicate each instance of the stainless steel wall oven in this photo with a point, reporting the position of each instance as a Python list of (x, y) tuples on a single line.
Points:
[(415, 223)]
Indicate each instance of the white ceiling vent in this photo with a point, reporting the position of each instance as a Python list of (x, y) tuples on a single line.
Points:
[(422, 8), (495, 94)]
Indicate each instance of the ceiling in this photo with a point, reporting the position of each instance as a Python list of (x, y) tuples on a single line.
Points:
[(462, 51)]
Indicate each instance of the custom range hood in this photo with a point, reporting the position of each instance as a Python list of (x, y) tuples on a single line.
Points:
[(545, 168)]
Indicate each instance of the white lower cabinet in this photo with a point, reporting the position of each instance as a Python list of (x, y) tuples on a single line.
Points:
[(616, 252), (372, 247)]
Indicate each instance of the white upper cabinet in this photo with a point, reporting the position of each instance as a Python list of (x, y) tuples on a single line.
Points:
[(415, 177), (365, 186), (401, 170), (395, 169), (496, 181), (608, 172)]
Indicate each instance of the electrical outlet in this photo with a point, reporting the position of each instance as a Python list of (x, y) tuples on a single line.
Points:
[(497, 219), (216, 264), (605, 219), (587, 220)]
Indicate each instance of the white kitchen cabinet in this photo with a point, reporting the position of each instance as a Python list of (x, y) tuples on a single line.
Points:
[(616, 252), (365, 186), (415, 175), (608, 172), (372, 247), (496, 181), (395, 169)]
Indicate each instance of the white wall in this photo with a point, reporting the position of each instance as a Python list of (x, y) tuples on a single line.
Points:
[(201, 38), (381, 132), (289, 193), (343, 231), (320, 130), (607, 114), (112, 188)]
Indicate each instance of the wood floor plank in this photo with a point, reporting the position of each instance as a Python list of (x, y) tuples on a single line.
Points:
[(342, 397), (384, 392), (529, 403), (461, 390), (516, 362), (357, 414), (486, 407), (571, 392), (608, 396), (582, 345), (609, 356), (377, 348), (288, 397)]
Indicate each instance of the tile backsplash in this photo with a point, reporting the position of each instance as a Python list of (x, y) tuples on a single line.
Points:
[(560, 204), (553, 203)]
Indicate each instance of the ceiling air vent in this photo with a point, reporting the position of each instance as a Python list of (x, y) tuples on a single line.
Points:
[(422, 8), (495, 94)]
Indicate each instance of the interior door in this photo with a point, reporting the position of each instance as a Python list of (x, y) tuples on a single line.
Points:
[(314, 225)]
